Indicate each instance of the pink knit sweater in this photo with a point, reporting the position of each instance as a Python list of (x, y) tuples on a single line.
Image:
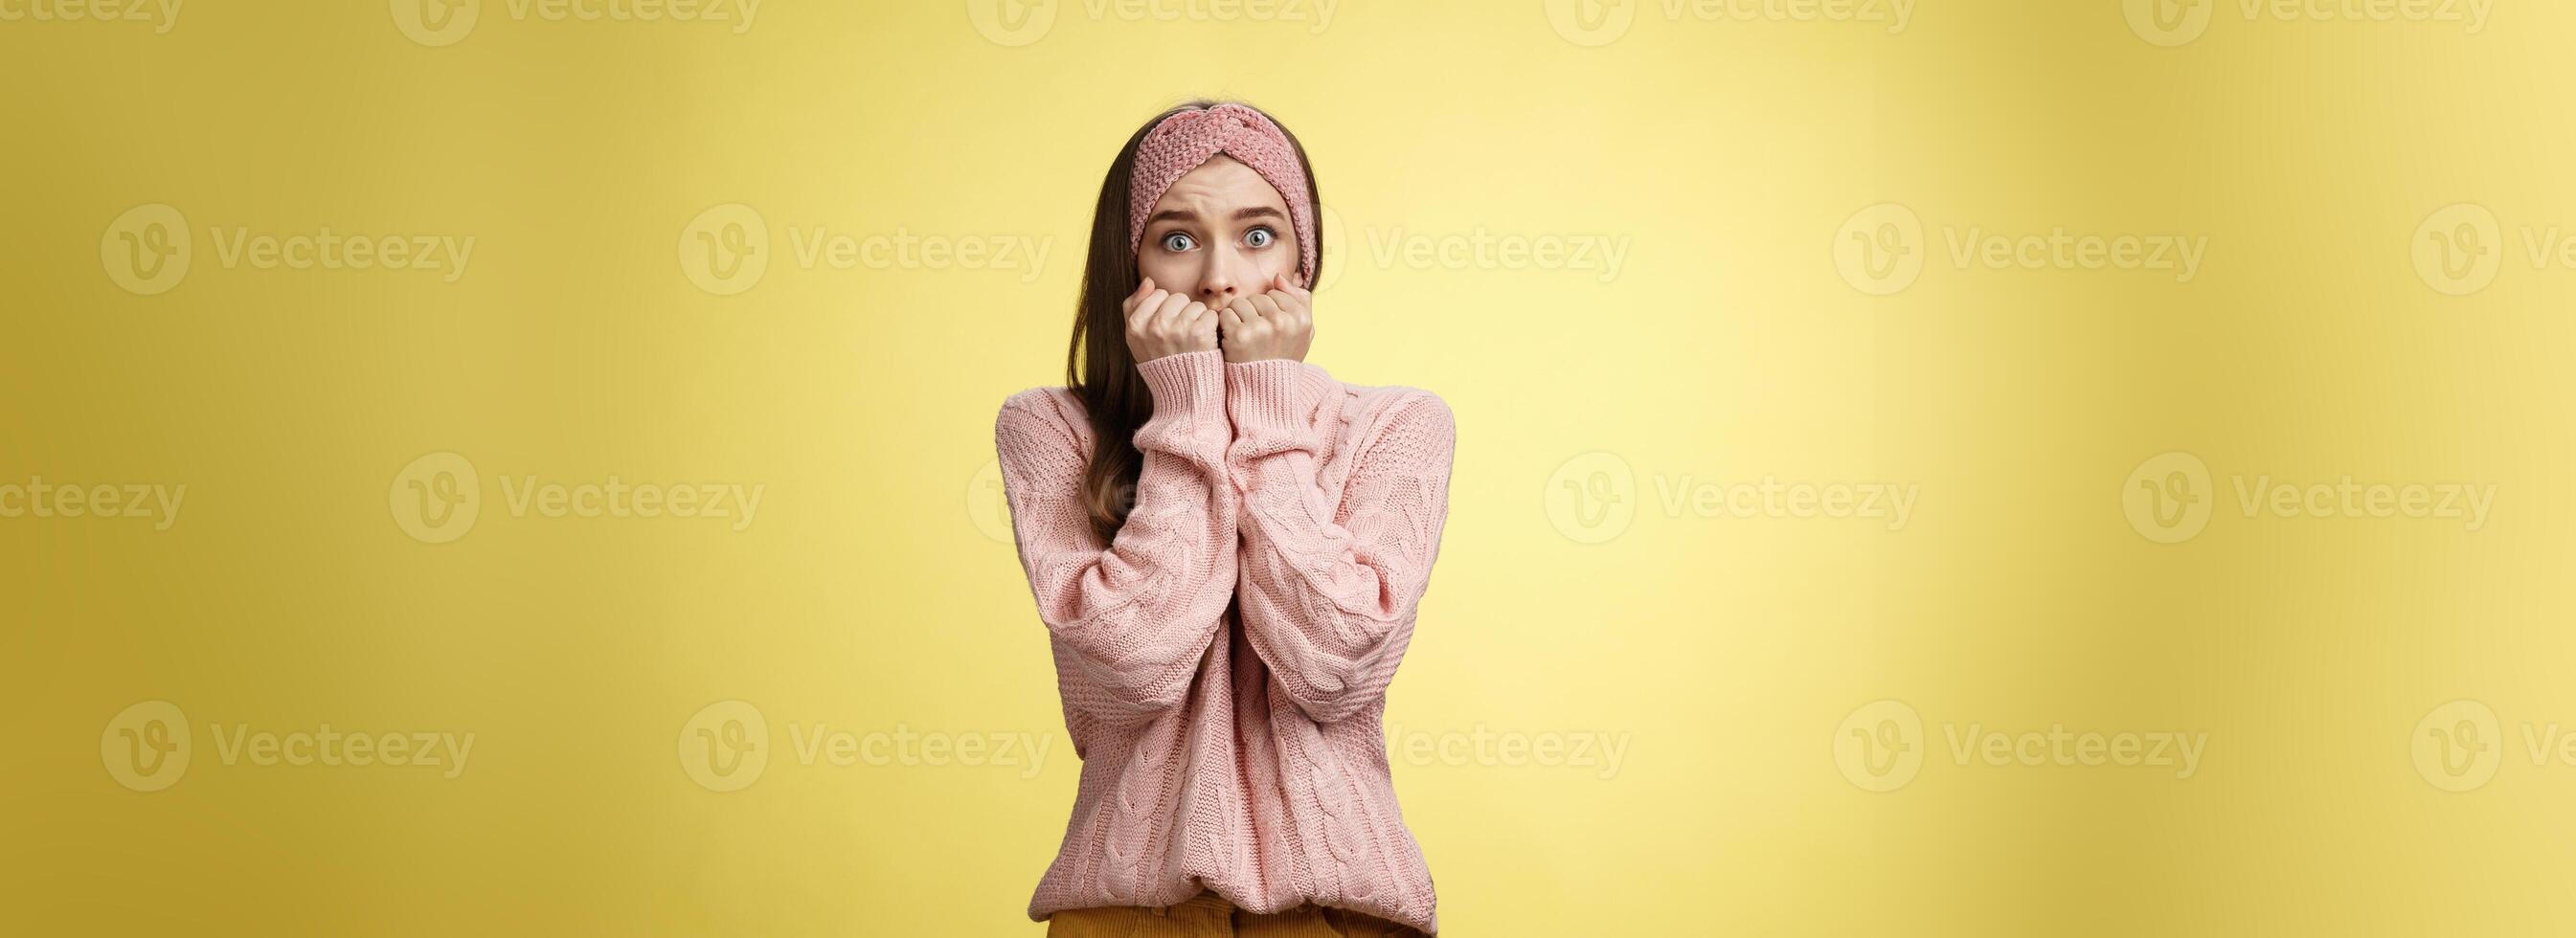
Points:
[(1224, 661)]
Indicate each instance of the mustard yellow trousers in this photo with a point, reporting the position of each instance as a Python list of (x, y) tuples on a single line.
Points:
[(1209, 915)]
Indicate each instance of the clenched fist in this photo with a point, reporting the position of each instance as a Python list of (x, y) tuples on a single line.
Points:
[(1276, 324), (1160, 323)]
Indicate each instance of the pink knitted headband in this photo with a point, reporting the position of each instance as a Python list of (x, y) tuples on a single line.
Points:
[(1184, 140)]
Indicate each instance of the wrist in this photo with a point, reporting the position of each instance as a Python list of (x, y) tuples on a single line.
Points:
[(1274, 395), (1188, 390)]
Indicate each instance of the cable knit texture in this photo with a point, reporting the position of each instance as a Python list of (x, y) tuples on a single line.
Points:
[(1224, 661), (1187, 139)]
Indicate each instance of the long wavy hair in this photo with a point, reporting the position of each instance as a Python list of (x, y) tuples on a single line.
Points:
[(1098, 366)]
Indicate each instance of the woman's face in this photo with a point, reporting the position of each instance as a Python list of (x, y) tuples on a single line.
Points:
[(1218, 233)]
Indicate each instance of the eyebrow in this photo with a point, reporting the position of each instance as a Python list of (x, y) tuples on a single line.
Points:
[(1241, 214)]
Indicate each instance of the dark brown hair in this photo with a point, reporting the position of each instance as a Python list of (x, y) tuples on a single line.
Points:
[(1098, 366)]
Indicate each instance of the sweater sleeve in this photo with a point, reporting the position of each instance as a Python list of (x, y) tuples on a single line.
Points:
[(1327, 596), (1137, 613)]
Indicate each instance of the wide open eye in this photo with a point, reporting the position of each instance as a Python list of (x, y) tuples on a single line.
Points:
[(1260, 237), (1176, 242)]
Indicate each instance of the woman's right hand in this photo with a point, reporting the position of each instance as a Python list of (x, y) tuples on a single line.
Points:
[(1160, 323)]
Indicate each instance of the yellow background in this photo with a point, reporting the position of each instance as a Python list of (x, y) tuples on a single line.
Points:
[(871, 594)]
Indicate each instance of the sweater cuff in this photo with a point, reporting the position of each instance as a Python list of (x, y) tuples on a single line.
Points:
[(1189, 384), (1274, 396)]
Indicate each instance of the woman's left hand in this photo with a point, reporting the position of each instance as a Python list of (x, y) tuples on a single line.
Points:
[(1276, 324)]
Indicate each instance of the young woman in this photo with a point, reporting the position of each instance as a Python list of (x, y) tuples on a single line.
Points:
[(1223, 639)]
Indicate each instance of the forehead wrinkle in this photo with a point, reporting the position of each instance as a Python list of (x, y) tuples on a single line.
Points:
[(1218, 183)]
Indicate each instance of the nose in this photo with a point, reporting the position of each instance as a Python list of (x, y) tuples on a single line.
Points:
[(1224, 279)]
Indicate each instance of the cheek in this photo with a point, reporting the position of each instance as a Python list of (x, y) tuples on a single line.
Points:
[(1168, 271)]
